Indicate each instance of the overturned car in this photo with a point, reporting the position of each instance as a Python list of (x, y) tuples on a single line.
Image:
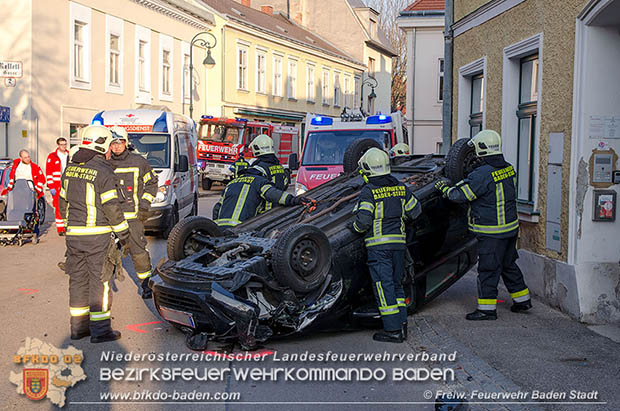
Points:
[(300, 269)]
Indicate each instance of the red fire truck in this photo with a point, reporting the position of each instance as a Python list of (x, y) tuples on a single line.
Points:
[(220, 140)]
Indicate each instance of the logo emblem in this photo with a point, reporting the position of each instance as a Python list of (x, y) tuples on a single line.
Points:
[(36, 381), (131, 115)]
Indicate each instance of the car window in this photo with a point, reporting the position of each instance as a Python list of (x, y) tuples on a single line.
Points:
[(437, 277), (154, 147), (328, 147)]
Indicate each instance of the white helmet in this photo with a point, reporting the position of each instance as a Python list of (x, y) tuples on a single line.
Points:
[(119, 133), (262, 144), (375, 162), (486, 143), (96, 138), (399, 150)]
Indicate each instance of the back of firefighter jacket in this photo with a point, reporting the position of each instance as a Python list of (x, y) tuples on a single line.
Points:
[(89, 199), (137, 182), (384, 204)]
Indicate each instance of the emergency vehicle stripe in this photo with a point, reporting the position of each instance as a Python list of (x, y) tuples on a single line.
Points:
[(100, 315), (240, 202), (79, 311), (487, 303), (106, 291), (501, 212), (283, 198), (120, 227), (91, 209), (411, 203), (380, 293), (385, 239), (145, 274), (80, 230), (148, 197), (494, 229), (365, 205), (227, 222), (108, 195), (468, 192), (401, 302)]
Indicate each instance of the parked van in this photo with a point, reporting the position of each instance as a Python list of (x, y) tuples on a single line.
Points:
[(168, 141)]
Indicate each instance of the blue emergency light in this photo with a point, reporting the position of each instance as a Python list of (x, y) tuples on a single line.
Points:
[(98, 119), (241, 119), (205, 116), (160, 124), (322, 121), (381, 119)]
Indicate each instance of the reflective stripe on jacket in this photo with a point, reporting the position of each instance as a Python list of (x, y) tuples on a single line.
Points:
[(137, 182)]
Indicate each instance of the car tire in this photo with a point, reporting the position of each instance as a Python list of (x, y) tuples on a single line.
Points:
[(180, 246), (206, 183), (302, 258), (460, 160), (355, 151), (172, 221), (41, 207)]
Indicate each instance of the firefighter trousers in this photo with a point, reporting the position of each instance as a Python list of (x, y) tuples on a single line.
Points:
[(90, 299), (497, 258), (60, 226), (387, 268), (137, 249)]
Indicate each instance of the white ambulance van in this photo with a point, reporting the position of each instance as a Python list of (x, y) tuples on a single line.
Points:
[(168, 141)]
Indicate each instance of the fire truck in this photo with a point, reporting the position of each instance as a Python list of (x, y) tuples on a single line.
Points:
[(221, 139)]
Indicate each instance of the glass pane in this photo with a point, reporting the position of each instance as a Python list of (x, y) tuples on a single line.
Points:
[(78, 29), (529, 81), (441, 275), (475, 130), (523, 161), (141, 47), (476, 95), (166, 57), (114, 43)]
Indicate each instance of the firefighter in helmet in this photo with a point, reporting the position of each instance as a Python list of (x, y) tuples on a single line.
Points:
[(490, 191), (240, 164), (268, 164)]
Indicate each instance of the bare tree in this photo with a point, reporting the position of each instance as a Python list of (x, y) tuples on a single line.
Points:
[(388, 12)]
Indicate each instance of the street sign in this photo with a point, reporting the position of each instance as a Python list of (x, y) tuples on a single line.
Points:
[(10, 82), (5, 114), (11, 69)]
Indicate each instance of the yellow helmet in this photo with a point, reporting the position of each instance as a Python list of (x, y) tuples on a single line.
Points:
[(119, 133), (400, 149), (486, 143), (375, 162), (96, 138), (262, 144)]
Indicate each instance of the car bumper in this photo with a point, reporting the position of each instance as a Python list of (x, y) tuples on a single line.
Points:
[(159, 217)]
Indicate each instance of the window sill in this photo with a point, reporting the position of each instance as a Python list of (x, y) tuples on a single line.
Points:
[(293, 99), (260, 93), (80, 84), (166, 97), (325, 104), (527, 213), (310, 102), (242, 90)]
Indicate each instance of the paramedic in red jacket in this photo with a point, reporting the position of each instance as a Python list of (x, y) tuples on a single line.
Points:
[(24, 168), (56, 163)]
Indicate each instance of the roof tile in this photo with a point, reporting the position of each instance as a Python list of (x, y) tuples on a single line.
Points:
[(419, 5)]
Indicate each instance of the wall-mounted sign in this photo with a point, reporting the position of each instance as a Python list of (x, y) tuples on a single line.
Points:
[(604, 127), (604, 205), (10, 82), (5, 114), (11, 69)]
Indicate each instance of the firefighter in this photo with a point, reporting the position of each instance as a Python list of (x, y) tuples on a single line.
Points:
[(244, 195), (399, 150), (138, 187), (56, 163), (239, 165), (491, 192), (91, 210), (267, 162), (383, 206)]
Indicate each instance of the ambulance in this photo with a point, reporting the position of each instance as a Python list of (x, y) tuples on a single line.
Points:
[(327, 139), (168, 141)]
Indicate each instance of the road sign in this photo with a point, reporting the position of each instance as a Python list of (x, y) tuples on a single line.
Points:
[(11, 69), (10, 82), (5, 114)]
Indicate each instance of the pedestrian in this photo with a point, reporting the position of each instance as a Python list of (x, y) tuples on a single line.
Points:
[(244, 196), (90, 206), (268, 164), (24, 169), (54, 167), (383, 206), (138, 187), (239, 165), (490, 190)]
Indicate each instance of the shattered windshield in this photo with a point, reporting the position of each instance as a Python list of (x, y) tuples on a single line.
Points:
[(327, 148)]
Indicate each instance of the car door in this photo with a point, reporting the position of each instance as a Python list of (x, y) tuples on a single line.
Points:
[(184, 194)]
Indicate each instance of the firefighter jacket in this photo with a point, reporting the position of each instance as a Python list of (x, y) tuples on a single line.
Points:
[(244, 195), (384, 204), (239, 165), (89, 201), (53, 170), (491, 192), (137, 182), (38, 179)]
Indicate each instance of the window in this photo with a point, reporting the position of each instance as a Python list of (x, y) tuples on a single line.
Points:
[(371, 67), (310, 91), (261, 62), (373, 28), (277, 75), (114, 55), (477, 104), (527, 115), (440, 81), (292, 79), (186, 78), (80, 51), (242, 67), (143, 65), (166, 68), (325, 89), (356, 91), (347, 91), (336, 89)]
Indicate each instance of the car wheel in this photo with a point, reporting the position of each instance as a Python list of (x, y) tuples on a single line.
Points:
[(355, 151), (460, 160), (181, 243), (206, 183), (41, 207), (302, 258), (174, 219)]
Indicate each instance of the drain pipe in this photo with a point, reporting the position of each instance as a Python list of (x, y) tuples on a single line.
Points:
[(447, 78)]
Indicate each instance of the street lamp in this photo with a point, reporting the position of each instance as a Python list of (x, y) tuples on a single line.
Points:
[(372, 82), (208, 62)]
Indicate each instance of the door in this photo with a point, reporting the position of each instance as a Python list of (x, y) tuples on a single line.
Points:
[(182, 178)]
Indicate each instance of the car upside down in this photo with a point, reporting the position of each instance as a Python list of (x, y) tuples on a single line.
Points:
[(295, 270)]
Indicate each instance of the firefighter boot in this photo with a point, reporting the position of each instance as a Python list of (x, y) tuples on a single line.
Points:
[(146, 290), (111, 335), (404, 330), (522, 306), (389, 336), (480, 315), (79, 327)]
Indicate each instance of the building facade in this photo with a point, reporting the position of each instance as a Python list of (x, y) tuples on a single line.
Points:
[(542, 73), (81, 57), (423, 21)]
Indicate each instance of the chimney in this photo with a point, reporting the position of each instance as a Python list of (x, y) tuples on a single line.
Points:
[(266, 9), (247, 3)]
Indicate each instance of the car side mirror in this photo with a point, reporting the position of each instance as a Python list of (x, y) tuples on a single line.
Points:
[(293, 161), (183, 165)]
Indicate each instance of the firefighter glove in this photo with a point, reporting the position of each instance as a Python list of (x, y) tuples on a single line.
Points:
[(300, 200), (443, 187)]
